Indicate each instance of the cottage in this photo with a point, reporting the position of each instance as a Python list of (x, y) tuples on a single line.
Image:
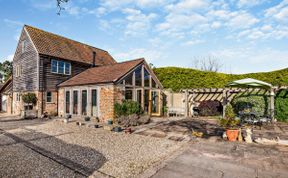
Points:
[(69, 77)]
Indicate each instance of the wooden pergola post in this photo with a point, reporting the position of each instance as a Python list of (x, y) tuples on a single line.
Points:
[(272, 107), (186, 104), (192, 104), (224, 94)]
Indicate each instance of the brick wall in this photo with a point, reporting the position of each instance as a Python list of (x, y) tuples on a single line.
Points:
[(109, 95)]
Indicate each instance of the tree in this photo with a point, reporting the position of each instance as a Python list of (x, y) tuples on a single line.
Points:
[(7, 68), (59, 5), (209, 63)]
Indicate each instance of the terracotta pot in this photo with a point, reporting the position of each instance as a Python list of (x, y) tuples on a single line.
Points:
[(232, 134)]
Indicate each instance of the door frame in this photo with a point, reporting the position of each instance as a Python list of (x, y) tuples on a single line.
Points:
[(159, 102)]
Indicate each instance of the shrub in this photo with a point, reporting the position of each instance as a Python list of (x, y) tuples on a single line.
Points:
[(210, 108), (127, 107), (229, 112), (281, 105), (29, 98), (254, 103)]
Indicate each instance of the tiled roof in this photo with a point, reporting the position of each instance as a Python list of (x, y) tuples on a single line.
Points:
[(57, 46), (104, 74)]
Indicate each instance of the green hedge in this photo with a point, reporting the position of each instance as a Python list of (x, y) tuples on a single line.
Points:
[(257, 103), (181, 78), (281, 105)]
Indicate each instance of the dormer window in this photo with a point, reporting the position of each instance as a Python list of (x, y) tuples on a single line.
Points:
[(24, 45)]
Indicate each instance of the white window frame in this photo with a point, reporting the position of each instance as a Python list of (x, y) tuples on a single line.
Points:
[(18, 70), (23, 46), (64, 70)]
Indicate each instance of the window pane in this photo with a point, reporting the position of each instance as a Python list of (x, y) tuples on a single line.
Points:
[(49, 97), (67, 68), (153, 84), (138, 76), (54, 66), (67, 101), (129, 79), (75, 102), (146, 78), (128, 94), (60, 67), (84, 102), (94, 102)]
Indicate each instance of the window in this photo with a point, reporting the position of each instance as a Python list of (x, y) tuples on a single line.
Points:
[(49, 97), (18, 70), (67, 68), (67, 96), (54, 65), (138, 76), (146, 78), (94, 102), (84, 102), (24, 45), (60, 67), (129, 94), (75, 102), (153, 84), (129, 79), (18, 97)]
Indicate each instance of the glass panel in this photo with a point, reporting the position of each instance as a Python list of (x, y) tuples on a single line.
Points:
[(129, 79), (138, 76), (75, 102), (67, 68), (128, 94), (54, 66), (94, 102), (155, 102), (67, 101), (146, 101), (146, 78), (84, 102), (153, 84), (49, 97), (139, 96), (61, 67)]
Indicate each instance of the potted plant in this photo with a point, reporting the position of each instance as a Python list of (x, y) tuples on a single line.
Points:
[(230, 123)]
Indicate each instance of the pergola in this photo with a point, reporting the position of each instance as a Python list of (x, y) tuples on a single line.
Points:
[(253, 83), (225, 94)]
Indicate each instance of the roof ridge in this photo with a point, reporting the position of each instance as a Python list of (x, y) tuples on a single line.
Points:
[(25, 25)]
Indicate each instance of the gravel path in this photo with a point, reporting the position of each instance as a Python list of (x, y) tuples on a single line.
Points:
[(100, 151)]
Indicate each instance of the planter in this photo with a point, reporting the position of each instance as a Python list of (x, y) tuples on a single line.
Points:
[(232, 134), (117, 129), (109, 122), (87, 118)]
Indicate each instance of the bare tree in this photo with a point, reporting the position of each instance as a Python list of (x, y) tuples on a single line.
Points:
[(59, 5), (209, 63)]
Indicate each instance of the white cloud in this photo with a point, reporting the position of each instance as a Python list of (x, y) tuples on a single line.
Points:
[(193, 42), (137, 22), (187, 5), (13, 22), (242, 20), (282, 15), (216, 25)]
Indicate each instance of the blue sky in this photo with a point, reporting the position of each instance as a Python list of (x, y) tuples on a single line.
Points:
[(245, 35)]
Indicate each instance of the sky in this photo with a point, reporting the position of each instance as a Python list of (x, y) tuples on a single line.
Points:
[(245, 35)]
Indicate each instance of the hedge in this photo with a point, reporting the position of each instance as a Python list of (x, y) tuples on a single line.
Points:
[(281, 105), (210, 108), (182, 78)]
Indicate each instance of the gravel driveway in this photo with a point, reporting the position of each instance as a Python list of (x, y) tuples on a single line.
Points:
[(55, 149)]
